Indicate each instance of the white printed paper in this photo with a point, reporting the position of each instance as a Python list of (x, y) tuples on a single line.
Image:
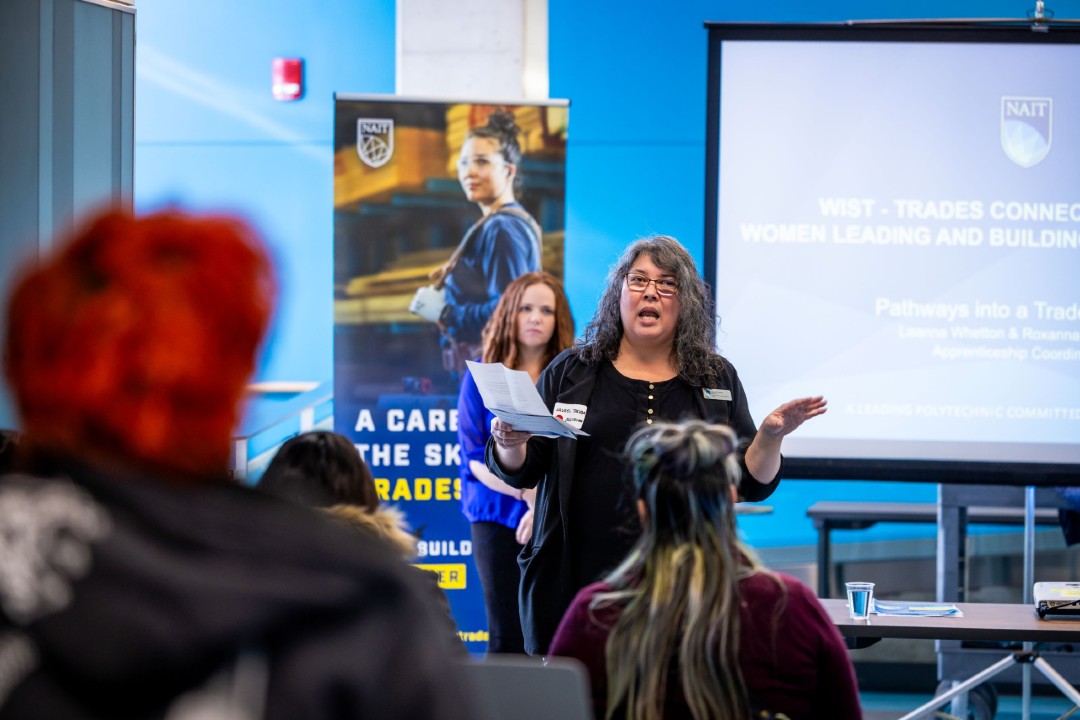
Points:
[(512, 397)]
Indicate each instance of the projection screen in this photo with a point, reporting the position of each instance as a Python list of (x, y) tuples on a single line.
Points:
[(893, 221)]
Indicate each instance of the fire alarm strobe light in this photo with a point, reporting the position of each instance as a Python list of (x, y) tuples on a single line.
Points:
[(288, 78)]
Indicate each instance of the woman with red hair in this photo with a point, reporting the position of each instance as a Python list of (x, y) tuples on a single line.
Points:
[(139, 581), (133, 345)]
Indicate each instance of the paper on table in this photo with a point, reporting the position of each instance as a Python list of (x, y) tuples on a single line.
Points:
[(511, 395), (920, 609)]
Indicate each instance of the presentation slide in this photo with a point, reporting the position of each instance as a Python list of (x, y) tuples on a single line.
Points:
[(899, 230)]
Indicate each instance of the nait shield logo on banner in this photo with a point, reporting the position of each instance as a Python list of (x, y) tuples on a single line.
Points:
[(1026, 124), (375, 141)]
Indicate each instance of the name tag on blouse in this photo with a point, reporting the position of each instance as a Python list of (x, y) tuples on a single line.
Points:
[(570, 413), (716, 394)]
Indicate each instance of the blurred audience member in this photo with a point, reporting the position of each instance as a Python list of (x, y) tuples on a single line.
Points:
[(320, 469), (691, 625), (323, 469), (136, 580)]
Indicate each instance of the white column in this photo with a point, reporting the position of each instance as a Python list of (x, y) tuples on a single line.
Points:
[(472, 49)]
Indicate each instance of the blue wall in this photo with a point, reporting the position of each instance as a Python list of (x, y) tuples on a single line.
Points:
[(209, 135)]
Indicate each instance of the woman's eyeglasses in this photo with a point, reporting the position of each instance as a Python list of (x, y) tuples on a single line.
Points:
[(640, 283)]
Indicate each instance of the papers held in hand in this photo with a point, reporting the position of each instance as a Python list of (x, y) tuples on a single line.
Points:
[(512, 397)]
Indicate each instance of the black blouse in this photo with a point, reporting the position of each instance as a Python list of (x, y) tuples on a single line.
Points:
[(603, 515)]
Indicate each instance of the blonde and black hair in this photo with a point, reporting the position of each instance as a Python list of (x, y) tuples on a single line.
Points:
[(680, 584), (500, 336)]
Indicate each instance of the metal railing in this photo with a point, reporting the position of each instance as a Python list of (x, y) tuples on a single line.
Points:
[(276, 412)]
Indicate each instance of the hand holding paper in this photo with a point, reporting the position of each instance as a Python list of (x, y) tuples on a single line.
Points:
[(512, 397)]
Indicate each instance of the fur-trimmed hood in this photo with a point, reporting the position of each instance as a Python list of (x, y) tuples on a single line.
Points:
[(385, 522)]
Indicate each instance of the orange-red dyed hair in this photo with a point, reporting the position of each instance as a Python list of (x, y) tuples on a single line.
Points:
[(500, 333), (132, 343)]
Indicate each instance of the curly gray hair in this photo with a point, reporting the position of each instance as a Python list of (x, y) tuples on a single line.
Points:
[(695, 357)]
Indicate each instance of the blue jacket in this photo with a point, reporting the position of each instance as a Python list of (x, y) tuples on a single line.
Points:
[(500, 249), (478, 502)]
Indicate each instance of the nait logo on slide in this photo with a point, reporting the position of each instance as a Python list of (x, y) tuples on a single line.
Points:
[(1026, 124), (375, 141)]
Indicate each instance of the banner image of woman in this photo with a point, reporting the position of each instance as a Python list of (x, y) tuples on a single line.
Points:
[(502, 245), (438, 206)]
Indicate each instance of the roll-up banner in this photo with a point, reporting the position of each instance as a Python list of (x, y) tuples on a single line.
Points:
[(400, 212)]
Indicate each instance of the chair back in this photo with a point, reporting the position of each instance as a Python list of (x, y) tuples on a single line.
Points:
[(516, 687)]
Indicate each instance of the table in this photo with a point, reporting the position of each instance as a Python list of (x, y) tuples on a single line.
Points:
[(954, 511), (980, 621)]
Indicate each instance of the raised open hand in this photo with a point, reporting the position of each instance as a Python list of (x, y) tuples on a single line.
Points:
[(784, 419)]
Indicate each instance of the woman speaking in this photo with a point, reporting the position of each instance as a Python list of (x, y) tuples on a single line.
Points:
[(647, 355)]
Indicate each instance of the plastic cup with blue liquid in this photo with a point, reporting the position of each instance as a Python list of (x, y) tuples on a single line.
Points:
[(860, 599)]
